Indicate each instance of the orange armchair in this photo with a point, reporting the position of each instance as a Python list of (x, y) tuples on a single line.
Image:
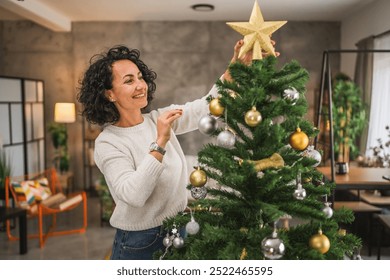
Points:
[(60, 203)]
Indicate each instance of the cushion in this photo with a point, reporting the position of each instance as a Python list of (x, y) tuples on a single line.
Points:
[(30, 191), (40, 188)]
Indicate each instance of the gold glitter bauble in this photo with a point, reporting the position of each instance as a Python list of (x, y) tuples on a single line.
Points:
[(216, 108), (299, 140), (253, 117), (198, 178), (320, 242)]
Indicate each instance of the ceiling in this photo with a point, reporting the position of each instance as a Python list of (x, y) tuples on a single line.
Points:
[(58, 15)]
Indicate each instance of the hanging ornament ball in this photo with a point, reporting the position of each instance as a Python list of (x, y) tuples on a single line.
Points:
[(320, 242), (272, 247), (198, 193), (310, 152), (192, 227), (216, 108), (278, 120), (167, 241), (178, 242), (342, 232), (299, 140), (300, 193), (207, 125), (328, 211), (253, 117), (226, 139), (291, 95), (198, 178)]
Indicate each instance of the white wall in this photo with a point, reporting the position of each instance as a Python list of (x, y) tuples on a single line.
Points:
[(372, 19)]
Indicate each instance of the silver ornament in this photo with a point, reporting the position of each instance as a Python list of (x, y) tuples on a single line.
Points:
[(291, 95), (167, 241), (272, 247), (278, 120), (198, 192), (310, 152), (226, 139), (300, 193), (192, 227), (207, 125), (328, 211), (178, 242)]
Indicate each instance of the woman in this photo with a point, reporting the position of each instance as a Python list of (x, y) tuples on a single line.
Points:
[(139, 154)]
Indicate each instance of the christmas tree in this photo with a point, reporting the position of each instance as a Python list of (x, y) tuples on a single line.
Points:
[(265, 167)]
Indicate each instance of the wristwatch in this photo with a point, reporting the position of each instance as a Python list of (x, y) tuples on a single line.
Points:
[(155, 147)]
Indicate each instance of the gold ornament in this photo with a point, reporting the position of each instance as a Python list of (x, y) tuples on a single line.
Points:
[(198, 178), (275, 161), (199, 208), (257, 33), (342, 232), (244, 254), (216, 108), (306, 179), (299, 140), (253, 117), (320, 242), (285, 220)]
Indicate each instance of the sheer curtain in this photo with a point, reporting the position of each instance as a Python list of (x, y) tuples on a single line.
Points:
[(380, 99), (363, 78)]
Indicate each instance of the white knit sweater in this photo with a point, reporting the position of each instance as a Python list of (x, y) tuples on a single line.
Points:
[(145, 190)]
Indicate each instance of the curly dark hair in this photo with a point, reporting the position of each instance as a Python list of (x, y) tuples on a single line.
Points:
[(97, 109)]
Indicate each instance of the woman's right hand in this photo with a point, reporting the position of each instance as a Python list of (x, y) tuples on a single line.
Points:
[(245, 59), (164, 123)]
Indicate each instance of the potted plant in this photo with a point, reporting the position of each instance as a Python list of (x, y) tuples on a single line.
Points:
[(5, 170), (106, 202), (349, 119), (59, 138)]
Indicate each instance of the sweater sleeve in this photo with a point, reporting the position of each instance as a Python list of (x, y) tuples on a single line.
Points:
[(133, 185), (192, 112)]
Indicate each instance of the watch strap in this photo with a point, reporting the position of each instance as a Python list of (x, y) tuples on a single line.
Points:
[(155, 147)]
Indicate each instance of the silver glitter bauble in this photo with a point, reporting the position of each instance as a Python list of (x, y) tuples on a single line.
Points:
[(300, 193), (198, 193), (226, 139), (278, 120), (328, 211), (291, 95), (310, 152), (207, 125), (178, 242), (272, 247), (192, 227), (167, 241)]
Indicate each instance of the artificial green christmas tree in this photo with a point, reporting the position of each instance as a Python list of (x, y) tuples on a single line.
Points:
[(266, 169)]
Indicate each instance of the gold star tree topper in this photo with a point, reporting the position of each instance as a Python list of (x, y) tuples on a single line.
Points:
[(257, 33)]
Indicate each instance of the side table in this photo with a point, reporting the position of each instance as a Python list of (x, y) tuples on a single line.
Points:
[(7, 213)]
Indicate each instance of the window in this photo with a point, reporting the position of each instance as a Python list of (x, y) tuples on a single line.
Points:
[(380, 96)]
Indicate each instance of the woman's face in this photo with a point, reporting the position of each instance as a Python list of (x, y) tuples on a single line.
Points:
[(129, 89)]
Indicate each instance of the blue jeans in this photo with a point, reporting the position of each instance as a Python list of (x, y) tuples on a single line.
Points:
[(137, 245)]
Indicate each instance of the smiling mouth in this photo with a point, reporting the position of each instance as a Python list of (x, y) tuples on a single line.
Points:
[(139, 96)]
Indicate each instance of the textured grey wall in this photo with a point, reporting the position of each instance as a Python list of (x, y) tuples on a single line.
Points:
[(187, 56)]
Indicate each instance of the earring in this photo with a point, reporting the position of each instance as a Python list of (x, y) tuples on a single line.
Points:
[(112, 100)]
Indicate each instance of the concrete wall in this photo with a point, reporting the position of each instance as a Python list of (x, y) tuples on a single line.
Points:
[(187, 56), (369, 21)]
